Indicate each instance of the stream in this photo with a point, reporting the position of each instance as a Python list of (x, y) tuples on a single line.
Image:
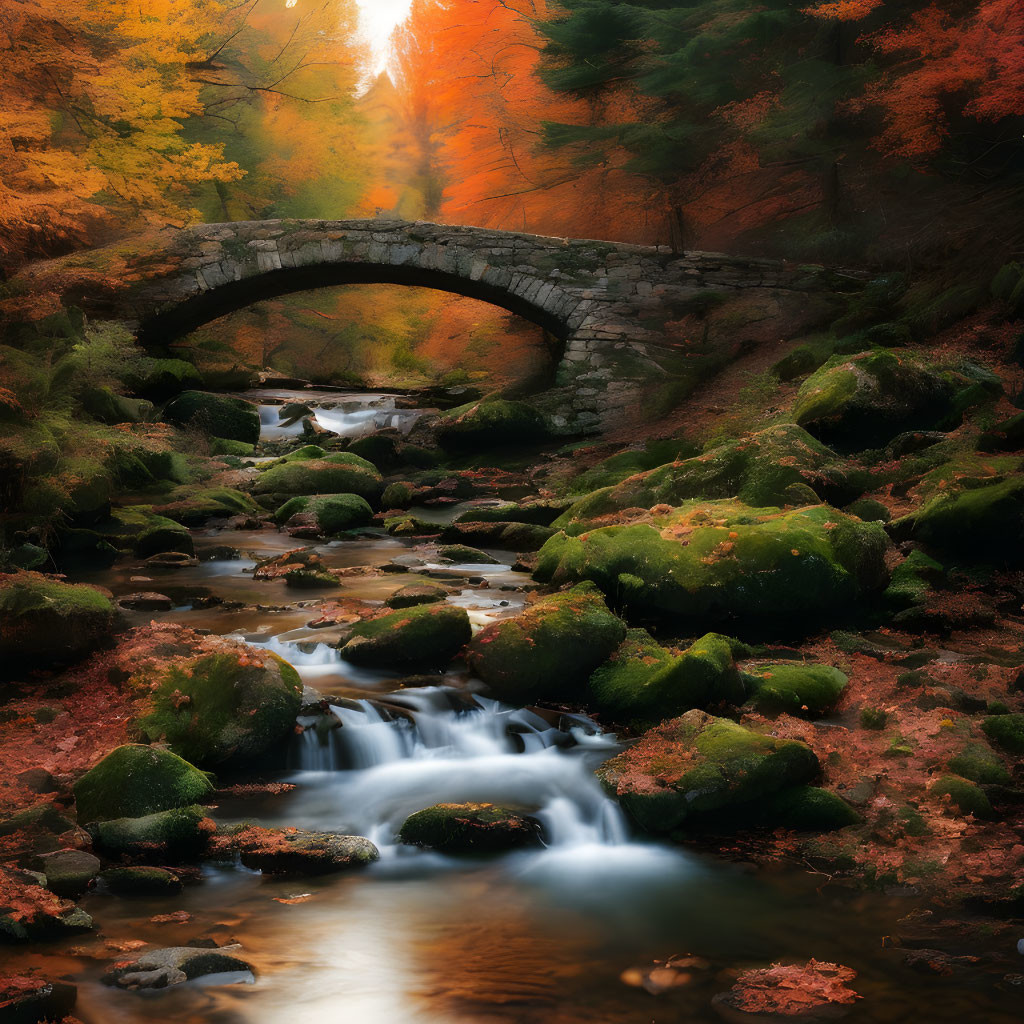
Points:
[(422, 938)]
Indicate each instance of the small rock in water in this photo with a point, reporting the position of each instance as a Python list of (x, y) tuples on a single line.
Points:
[(171, 560), (146, 601), (161, 968), (295, 852)]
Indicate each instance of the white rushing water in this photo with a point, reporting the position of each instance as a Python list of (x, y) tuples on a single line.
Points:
[(349, 416)]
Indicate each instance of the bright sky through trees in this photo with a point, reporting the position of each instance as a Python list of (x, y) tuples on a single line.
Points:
[(377, 20)]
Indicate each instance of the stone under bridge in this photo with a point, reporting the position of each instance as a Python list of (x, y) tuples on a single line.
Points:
[(607, 302)]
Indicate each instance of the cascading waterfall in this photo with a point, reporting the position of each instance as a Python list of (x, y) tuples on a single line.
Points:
[(354, 416)]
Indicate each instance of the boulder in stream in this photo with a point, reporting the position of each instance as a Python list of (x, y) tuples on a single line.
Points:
[(161, 968), (550, 650), (470, 828), (506, 536), (416, 593), (297, 852), (312, 471), (423, 636), (492, 423), (179, 834), (134, 779), (68, 872), (331, 513), (217, 415)]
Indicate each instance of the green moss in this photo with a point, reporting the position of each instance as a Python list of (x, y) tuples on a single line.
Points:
[(1006, 731), (142, 531), (166, 835), (416, 593), (506, 536), (537, 513), (807, 809), (550, 650), (965, 796), (410, 526), (628, 463), (464, 553), (217, 415), (225, 446), (697, 765), (428, 636), (980, 763), (869, 510), (341, 473), (192, 506), (160, 378), (216, 708), (492, 423), (710, 560), (469, 828), (134, 780), (796, 687), (397, 495), (873, 718), (642, 682), (334, 513), (912, 580), (46, 620), (140, 880)]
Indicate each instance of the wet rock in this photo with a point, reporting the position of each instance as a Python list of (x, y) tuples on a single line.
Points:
[(231, 705), (936, 961), (182, 833), (134, 780), (643, 682), (192, 506), (68, 872), (550, 650), (808, 993), (505, 536), (171, 560), (219, 553), (697, 765), (410, 526), (416, 593), (308, 579), (804, 809), (426, 636), (143, 532), (541, 512), (44, 817), (470, 828), (795, 688), (147, 601), (330, 514), (45, 620), (140, 881), (217, 415), (296, 852), (712, 560), (492, 423), (29, 913), (161, 968), (29, 1000), (465, 554)]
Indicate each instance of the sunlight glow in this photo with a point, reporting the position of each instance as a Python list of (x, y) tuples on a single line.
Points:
[(377, 20)]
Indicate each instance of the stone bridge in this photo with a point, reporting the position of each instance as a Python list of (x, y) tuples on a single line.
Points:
[(607, 302)]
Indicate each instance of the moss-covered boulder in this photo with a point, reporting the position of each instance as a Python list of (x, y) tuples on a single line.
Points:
[(864, 400), (142, 531), (540, 512), (795, 687), (223, 706), (331, 513), (465, 554), (1006, 731), (159, 379), (45, 620), (470, 828), (506, 536), (911, 581), (217, 415), (550, 650), (492, 423), (697, 766), (643, 682), (397, 495), (68, 872), (807, 809), (192, 506), (415, 594), (140, 881), (297, 852), (107, 406), (711, 560), (964, 796), (781, 465), (976, 521), (633, 460), (133, 780), (167, 836), (980, 763), (338, 473), (1007, 436), (410, 526), (424, 636)]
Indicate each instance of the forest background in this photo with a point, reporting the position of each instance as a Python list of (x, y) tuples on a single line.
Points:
[(869, 133)]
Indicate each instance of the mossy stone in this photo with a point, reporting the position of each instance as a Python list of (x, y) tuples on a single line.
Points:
[(410, 526), (217, 415), (643, 682), (425, 636), (795, 687), (334, 513), (142, 881), (341, 473), (397, 495), (68, 872), (192, 506), (44, 620), (911, 581), (105, 405), (492, 423), (160, 378), (548, 651), (464, 553), (708, 561), (537, 513), (869, 510), (807, 809), (697, 765), (225, 446), (137, 528), (416, 594), (512, 536), (980, 763), (964, 795), (222, 707), (1006, 731), (133, 780), (470, 828), (182, 832)]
